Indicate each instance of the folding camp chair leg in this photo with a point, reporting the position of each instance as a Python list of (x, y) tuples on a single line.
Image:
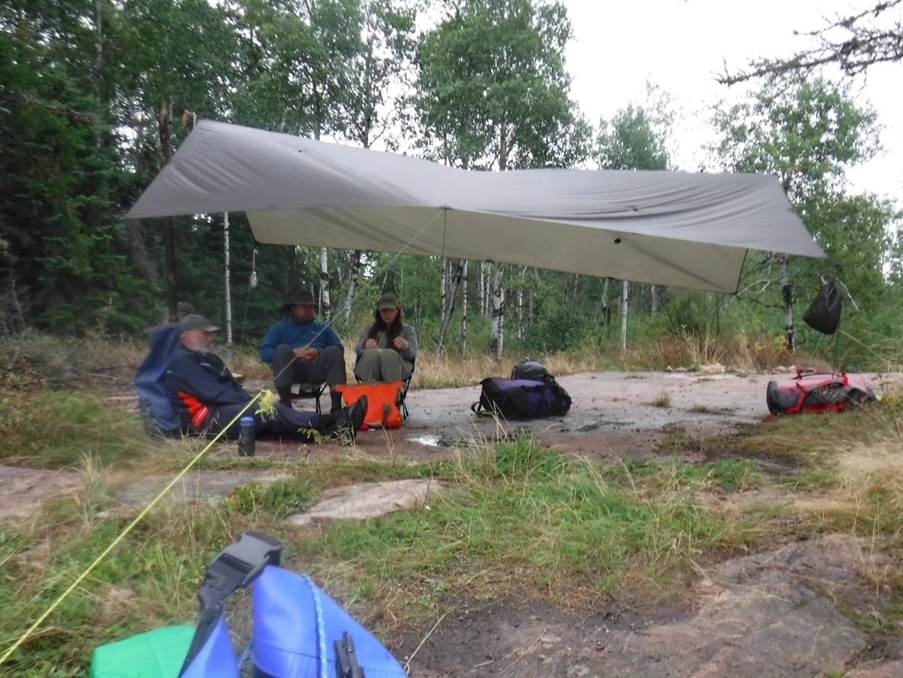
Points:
[(404, 398), (316, 393)]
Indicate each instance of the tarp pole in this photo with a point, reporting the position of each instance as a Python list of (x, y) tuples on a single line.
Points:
[(228, 292)]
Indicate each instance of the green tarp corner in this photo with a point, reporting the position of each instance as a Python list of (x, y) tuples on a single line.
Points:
[(155, 654)]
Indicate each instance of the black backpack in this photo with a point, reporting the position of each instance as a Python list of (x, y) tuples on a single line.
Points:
[(522, 398)]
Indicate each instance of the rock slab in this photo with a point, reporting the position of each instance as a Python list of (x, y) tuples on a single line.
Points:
[(367, 500), (23, 490), (195, 486)]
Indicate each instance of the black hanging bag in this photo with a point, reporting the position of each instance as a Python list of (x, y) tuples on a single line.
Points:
[(823, 314)]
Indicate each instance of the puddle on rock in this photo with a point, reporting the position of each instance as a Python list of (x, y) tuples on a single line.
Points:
[(437, 441)]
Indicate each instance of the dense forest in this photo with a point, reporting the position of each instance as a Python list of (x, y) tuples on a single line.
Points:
[(96, 96)]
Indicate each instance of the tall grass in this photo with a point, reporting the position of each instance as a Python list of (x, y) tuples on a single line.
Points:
[(57, 428), (849, 481), (59, 361), (516, 517), (522, 520)]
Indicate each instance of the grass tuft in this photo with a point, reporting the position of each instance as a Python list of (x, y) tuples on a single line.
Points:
[(706, 409), (663, 399)]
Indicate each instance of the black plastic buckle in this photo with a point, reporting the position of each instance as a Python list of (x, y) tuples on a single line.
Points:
[(346, 659), (237, 566), (252, 553)]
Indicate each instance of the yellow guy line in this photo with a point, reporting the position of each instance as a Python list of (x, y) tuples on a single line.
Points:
[(123, 534)]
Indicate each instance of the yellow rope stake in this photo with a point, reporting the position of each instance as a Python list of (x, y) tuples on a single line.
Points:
[(123, 534)]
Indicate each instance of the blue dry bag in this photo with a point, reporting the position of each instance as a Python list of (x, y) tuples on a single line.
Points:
[(299, 631)]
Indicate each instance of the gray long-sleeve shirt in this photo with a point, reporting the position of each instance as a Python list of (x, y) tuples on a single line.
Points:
[(408, 333)]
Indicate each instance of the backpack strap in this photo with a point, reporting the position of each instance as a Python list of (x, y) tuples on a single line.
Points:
[(236, 567)]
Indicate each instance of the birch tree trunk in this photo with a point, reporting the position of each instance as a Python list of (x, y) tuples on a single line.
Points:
[(482, 289), (451, 292), (575, 291), (325, 307), (291, 269), (787, 289), (352, 286), (464, 308), (497, 324), (443, 287), (625, 294), (605, 309)]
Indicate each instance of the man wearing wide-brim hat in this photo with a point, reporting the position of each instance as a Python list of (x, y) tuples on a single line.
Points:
[(304, 351)]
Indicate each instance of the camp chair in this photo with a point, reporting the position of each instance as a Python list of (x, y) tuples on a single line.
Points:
[(406, 384), (309, 391)]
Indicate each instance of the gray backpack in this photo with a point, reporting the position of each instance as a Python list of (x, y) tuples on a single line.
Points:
[(531, 369)]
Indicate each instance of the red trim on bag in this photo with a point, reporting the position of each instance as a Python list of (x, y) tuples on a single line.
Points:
[(196, 409)]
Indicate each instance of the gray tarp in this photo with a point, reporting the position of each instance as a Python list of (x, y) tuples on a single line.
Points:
[(670, 228)]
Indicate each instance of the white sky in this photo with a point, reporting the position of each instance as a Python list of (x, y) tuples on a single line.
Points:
[(681, 44)]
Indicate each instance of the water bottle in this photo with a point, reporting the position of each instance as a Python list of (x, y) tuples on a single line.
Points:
[(246, 437)]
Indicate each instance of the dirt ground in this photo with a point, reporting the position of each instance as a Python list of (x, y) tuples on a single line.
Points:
[(762, 615), (772, 613), (612, 416)]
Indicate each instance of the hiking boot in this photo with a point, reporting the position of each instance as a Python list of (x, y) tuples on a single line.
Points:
[(349, 420)]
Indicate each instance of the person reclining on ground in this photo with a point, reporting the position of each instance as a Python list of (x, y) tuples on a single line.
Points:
[(303, 351), (387, 349), (206, 397)]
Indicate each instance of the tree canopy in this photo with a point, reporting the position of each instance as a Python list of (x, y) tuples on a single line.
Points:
[(95, 96)]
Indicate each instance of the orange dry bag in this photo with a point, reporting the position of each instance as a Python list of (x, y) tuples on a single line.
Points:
[(382, 402)]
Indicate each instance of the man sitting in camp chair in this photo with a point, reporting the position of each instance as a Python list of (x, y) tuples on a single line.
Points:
[(206, 397), (303, 351)]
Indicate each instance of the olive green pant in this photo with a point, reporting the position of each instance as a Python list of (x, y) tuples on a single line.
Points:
[(382, 365)]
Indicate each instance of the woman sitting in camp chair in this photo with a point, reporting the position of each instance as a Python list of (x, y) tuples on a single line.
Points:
[(387, 349)]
